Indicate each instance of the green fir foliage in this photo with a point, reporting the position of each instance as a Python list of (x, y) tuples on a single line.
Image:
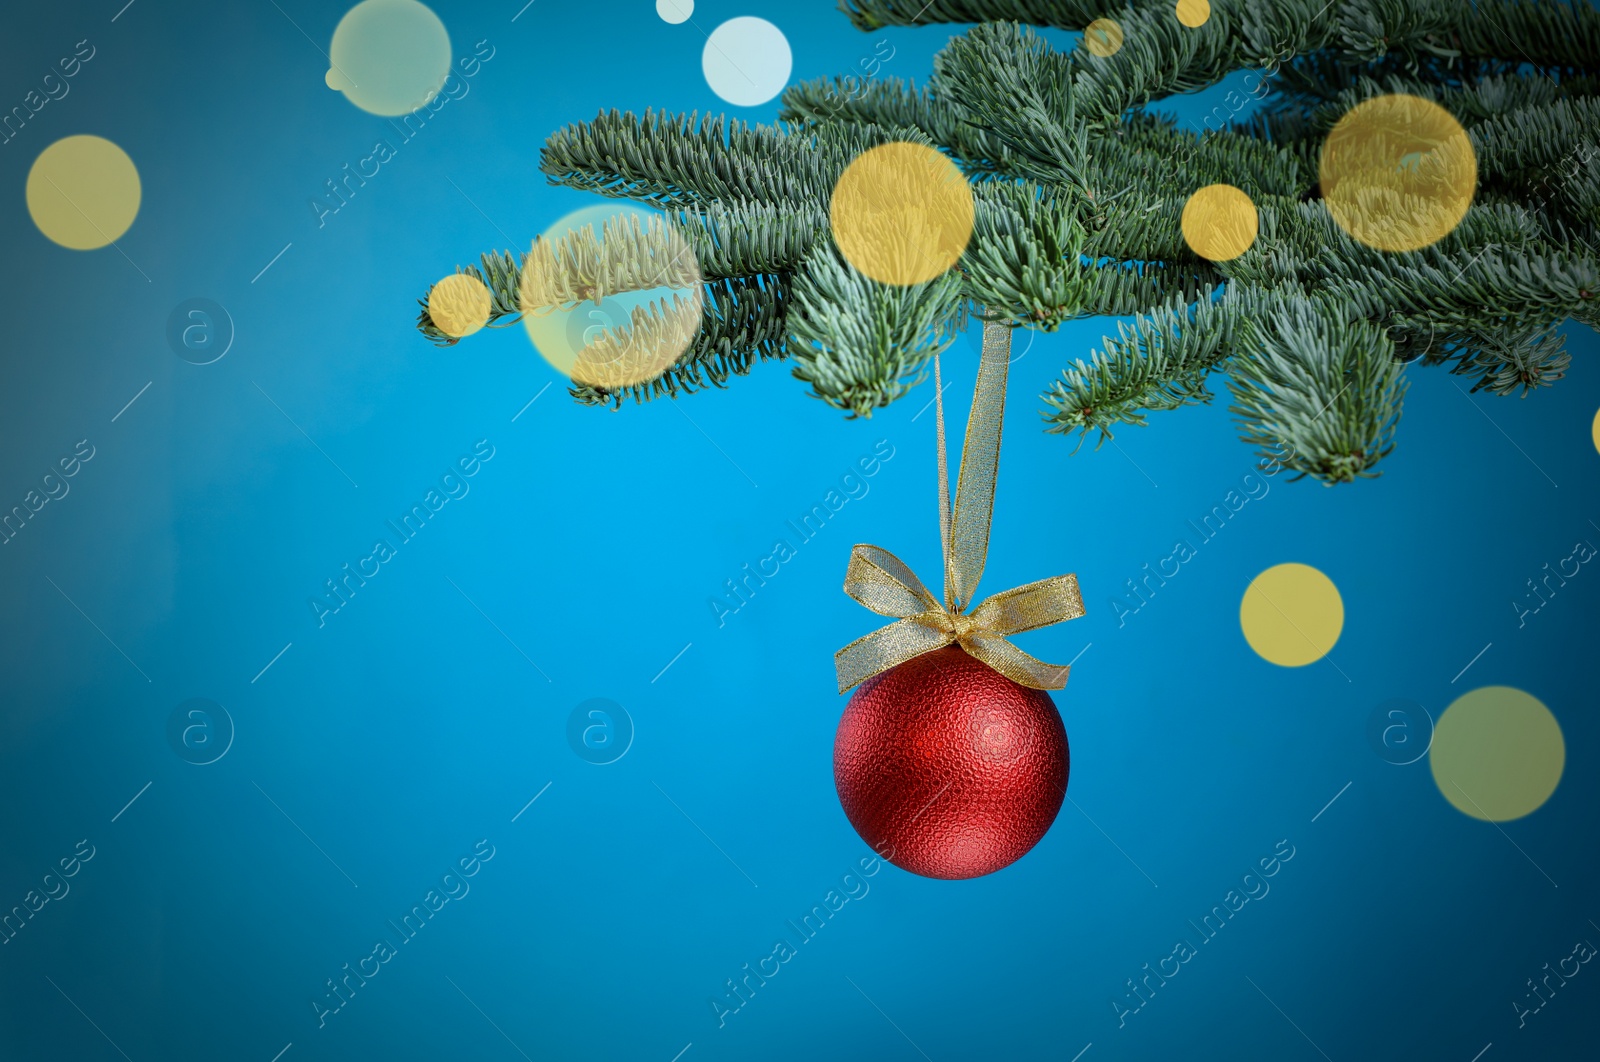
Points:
[(1078, 197)]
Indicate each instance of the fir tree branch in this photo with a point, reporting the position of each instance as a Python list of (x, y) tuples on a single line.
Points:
[(735, 238), (899, 107), (1061, 14), (1520, 146), (1123, 289), (1006, 79), (1372, 30), (742, 321), (1078, 199), (862, 344), (681, 160), (501, 273), (1518, 356), (1160, 57), (1160, 361), (1561, 36), (1023, 263), (1151, 156), (627, 255), (1319, 387)]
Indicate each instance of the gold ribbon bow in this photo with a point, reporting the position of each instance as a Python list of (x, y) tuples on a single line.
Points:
[(882, 582)]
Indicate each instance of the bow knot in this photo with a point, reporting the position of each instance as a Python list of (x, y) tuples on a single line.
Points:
[(883, 583)]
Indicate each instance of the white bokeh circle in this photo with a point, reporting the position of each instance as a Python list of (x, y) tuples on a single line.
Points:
[(674, 11), (747, 61)]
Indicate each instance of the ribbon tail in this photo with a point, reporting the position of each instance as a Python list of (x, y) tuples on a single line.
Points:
[(1015, 664), (887, 647)]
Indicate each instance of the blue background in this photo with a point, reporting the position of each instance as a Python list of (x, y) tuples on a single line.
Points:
[(377, 750)]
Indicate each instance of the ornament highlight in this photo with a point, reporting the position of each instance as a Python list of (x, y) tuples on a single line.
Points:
[(948, 768), (1398, 172)]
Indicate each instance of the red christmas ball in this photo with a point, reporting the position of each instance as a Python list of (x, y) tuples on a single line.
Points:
[(949, 769)]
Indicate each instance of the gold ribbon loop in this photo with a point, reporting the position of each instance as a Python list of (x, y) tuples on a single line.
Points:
[(968, 548), (1030, 607), (879, 580), (883, 583)]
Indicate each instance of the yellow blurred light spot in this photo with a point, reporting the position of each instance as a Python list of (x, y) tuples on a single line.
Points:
[(1219, 222), (1103, 37), (610, 339), (1497, 754), (459, 305), (1193, 13), (83, 192), (389, 56), (1291, 615), (901, 213), (1398, 172)]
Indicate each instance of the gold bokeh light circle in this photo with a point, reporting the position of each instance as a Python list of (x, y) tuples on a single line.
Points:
[(459, 305), (1103, 37), (1398, 172), (83, 192), (1497, 754), (1220, 222), (1193, 13), (611, 339), (1291, 615), (901, 213)]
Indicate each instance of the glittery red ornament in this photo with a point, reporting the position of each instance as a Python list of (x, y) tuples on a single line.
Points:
[(949, 769)]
